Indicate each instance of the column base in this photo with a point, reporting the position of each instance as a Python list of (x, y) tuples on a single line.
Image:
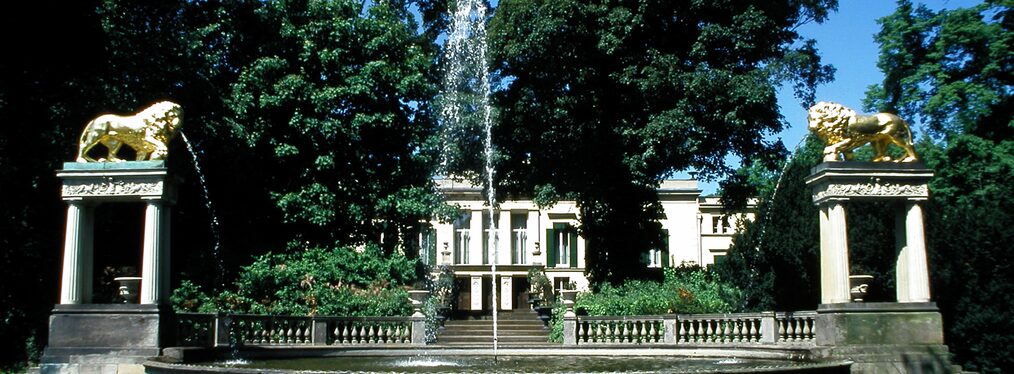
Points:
[(885, 337), (102, 337)]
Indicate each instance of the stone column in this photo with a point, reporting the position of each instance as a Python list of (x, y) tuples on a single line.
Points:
[(152, 256), (915, 258), (901, 262), (76, 285), (165, 252), (834, 257)]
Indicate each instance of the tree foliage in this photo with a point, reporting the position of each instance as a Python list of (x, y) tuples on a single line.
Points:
[(48, 77), (601, 100), (774, 258), (952, 70), (296, 59)]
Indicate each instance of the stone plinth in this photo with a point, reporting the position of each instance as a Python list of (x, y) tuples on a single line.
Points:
[(105, 337), (885, 337)]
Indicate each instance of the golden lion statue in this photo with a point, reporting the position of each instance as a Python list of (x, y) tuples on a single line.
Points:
[(843, 130), (147, 132)]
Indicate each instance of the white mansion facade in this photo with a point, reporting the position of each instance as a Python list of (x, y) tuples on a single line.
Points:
[(696, 228)]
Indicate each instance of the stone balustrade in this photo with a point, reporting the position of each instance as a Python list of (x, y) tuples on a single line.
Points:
[(796, 327), (698, 329), (620, 330), (195, 329)]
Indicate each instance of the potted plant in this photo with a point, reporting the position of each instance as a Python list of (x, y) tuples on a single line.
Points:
[(540, 294)]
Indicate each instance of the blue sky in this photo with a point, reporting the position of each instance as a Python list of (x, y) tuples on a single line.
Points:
[(845, 41)]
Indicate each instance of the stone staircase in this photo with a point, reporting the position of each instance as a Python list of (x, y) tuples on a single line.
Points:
[(516, 328)]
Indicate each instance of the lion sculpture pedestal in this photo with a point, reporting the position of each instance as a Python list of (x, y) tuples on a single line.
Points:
[(89, 337), (894, 337)]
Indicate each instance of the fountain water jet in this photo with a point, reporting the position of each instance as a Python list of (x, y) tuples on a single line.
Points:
[(216, 250), (465, 53)]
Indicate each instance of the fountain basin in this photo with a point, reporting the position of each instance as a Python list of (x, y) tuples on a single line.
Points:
[(516, 360)]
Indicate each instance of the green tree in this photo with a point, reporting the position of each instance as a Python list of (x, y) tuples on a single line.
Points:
[(47, 84), (337, 105), (601, 100), (952, 71), (774, 259)]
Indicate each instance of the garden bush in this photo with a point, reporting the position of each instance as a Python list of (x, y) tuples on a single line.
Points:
[(317, 281), (684, 290)]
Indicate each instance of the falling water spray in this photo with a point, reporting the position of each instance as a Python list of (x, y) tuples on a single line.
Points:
[(466, 97)]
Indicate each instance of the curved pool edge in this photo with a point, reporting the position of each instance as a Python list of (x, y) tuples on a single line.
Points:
[(797, 359)]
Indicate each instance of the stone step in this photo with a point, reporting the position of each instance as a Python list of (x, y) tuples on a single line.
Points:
[(472, 332), (501, 344), (489, 338), (503, 322)]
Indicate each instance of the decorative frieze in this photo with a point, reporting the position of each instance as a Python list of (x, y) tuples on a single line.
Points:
[(875, 187), (112, 187)]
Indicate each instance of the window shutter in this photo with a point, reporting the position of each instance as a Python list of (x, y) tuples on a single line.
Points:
[(550, 248), (573, 247), (665, 248), (431, 244)]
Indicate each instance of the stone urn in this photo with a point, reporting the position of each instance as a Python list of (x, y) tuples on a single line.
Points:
[(128, 289), (417, 297), (569, 297), (858, 286)]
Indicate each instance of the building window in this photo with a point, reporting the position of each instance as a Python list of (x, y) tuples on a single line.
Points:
[(562, 245), (487, 232), (519, 238), (659, 257), (462, 227), (719, 259), (720, 224), (428, 245)]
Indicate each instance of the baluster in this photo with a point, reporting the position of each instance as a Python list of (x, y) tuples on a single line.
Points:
[(652, 332), (624, 332), (791, 330), (809, 328), (642, 332), (373, 334), (692, 337), (753, 331), (737, 335), (594, 327), (781, 329), (381, 334), (355, 335), (580, 333), (681, 332), (290, 335)]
